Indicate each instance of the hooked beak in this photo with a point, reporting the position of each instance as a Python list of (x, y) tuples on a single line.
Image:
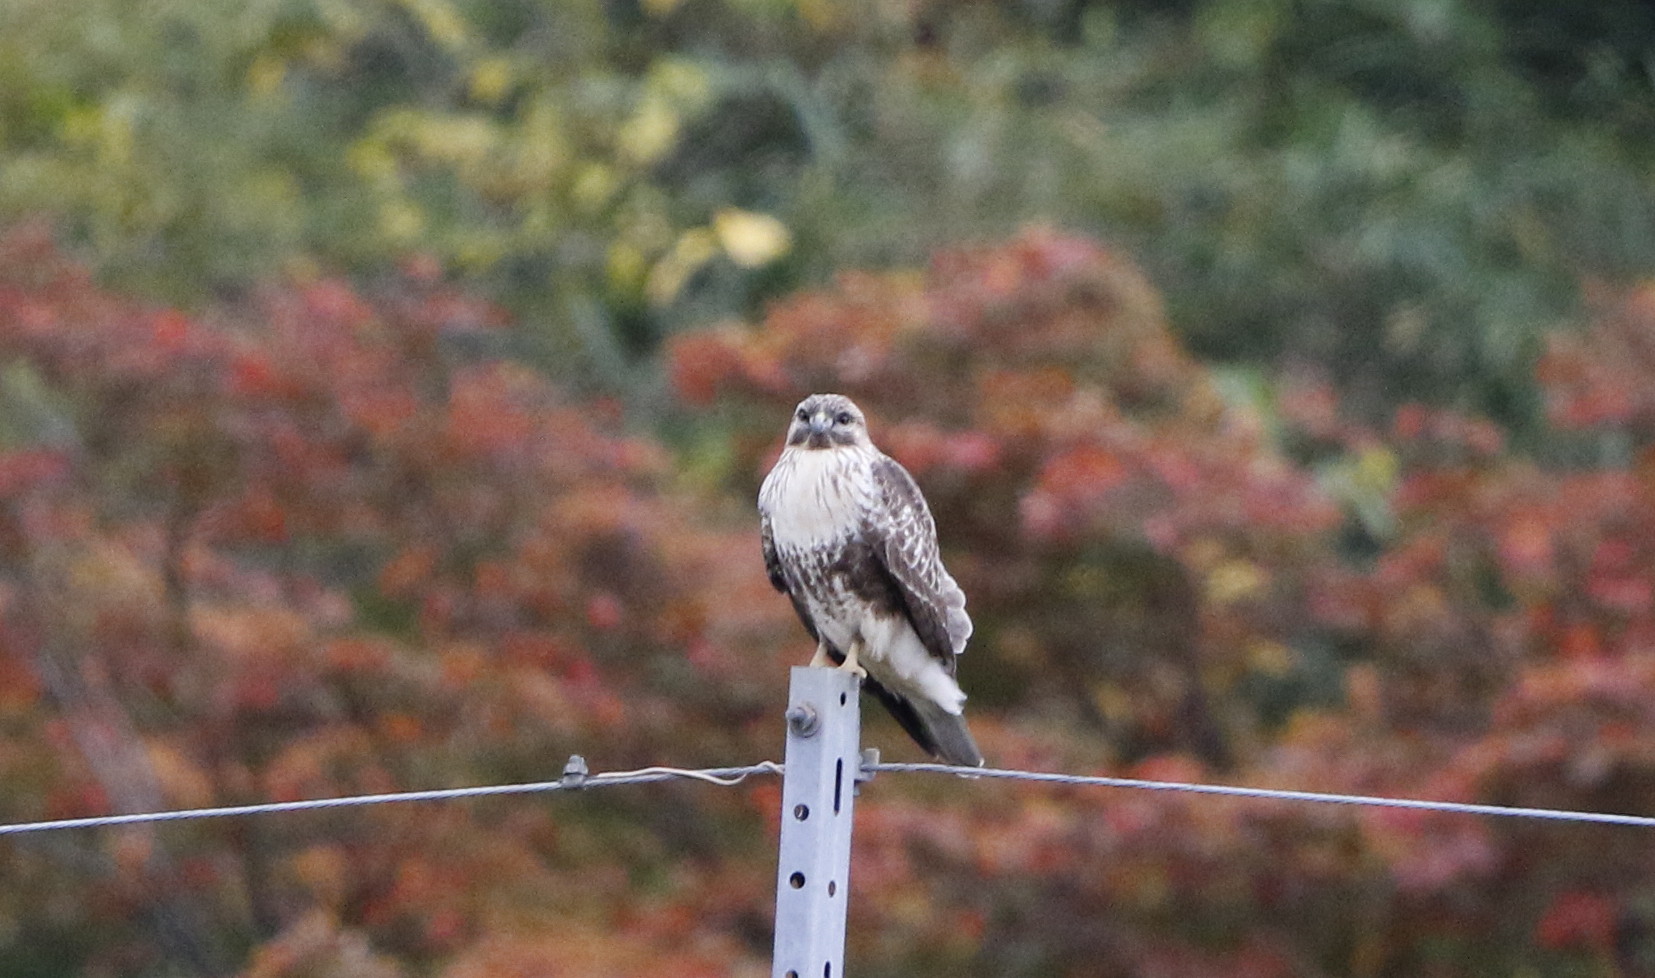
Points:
[(820, 424)]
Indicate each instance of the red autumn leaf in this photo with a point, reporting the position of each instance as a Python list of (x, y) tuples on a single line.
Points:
[(1578, 919), (25, 470)]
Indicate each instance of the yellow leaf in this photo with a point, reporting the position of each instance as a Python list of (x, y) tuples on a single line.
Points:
[(694, 249), (463, 140), (1113, 702), (822, 15), (1234, 580), (650, 133), (491, 79), (1376, 469), (1270, 658), (682, 82), (750, 239), (595, 187), (266, 74), (371, 160), (401, 221), (627, 267), (441, 21)]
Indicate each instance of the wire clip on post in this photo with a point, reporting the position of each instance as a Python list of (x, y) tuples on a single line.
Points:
[(820, 771)]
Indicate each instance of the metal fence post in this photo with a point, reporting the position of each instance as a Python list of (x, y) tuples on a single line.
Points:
[(824, 727)]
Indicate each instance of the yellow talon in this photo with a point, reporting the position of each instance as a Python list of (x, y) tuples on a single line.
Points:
[(851, 665)]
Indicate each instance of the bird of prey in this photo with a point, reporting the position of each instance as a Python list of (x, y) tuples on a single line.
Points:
[(848, 537)]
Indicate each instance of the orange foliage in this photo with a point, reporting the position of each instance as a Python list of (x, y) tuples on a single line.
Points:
[(1179, 578), (1078, 461), (322, 541), (314, 544)]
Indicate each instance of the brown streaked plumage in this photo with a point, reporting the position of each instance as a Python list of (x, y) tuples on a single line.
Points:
[(849, 539)]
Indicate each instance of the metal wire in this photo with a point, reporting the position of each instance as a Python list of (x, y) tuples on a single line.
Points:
[(1274, 794), (574, 779)]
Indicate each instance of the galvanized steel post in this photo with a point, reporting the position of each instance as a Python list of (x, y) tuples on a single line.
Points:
[(822, 763)]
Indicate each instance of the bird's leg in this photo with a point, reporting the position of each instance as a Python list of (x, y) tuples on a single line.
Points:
[(821, 659), (850, 664)]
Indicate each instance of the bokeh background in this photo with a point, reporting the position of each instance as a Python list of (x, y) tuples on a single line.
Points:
[(385, 384)]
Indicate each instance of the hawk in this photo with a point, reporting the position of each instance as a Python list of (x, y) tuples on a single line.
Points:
[(849, 539)]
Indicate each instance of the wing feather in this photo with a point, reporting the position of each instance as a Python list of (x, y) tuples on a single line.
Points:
[(905, 538), (772, 559), (778, 575)]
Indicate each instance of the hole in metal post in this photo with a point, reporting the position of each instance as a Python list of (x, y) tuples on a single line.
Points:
[(842, 699), (832, 887), (827, 970), (801, 812), (797, 881), (792, 974), (838, 782)]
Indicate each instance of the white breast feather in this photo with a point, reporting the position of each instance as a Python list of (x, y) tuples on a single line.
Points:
[(816, 497), (816, 500)]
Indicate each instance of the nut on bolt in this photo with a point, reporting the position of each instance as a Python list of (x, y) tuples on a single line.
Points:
[(802, 719)]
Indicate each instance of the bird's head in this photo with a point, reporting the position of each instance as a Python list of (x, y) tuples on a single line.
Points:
[(827, 421)]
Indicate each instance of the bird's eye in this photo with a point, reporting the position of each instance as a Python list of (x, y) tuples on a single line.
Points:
[(802, 414), (844, 417)]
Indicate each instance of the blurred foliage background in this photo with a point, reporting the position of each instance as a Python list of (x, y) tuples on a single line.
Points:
[(1404, 193), (384, 385)]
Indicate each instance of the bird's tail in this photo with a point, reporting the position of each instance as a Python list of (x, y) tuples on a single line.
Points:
[(950, 739)]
